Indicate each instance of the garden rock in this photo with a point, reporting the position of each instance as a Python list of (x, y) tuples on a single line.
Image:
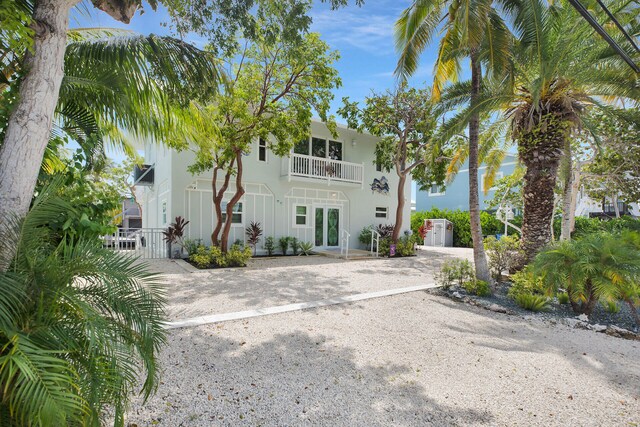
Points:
[(583, 318), (598, 327), (457, 295), (615, 331)]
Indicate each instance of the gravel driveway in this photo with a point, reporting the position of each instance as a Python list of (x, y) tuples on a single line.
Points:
[(407, 360)]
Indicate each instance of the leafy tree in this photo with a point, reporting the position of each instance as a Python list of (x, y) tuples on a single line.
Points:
[(406, 120), (79, 324), (471, 30), (279, 78)]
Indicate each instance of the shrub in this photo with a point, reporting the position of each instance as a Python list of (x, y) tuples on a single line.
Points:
[(385, 230), (269, 245), (611, 306), (461, 224), (191, 246), (365, 237), (601, 265), (563, 298), (525, 282), (477, 287), (306, 248), (455, 272), (238, 256), (175, 232), (532, 302), (384, 246), (217, 257), (283, 242), (405, 246), (295, 245), (503, 254), (201, 257), (253, 233)]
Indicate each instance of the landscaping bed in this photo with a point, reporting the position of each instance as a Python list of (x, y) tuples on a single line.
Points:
[(600, 320)]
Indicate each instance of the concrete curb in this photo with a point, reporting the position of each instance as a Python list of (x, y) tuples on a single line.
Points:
[(238, 315)]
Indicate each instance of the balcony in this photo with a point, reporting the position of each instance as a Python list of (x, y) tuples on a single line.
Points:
[(327, 170)]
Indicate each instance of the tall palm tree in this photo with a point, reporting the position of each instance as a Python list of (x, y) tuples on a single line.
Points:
[(566, 70), (473, 30)]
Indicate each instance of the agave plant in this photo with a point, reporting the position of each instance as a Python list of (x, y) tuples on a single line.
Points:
[(600, 265), (79, 324)]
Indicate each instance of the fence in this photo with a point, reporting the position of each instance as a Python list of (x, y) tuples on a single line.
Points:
[(147, 243)]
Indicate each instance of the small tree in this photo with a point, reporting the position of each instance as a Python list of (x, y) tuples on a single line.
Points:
[(253, 232), (282, 74), (406, 120)]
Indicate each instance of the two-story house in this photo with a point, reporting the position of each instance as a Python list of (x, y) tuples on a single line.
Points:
[(327, 189), (456, 194)]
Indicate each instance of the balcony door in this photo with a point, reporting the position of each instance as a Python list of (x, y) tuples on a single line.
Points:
[(327, 226)]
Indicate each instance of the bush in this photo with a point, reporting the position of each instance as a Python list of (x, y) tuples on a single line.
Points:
[(365, 237), (201, 257), (191, 246), (384, 246), (253, 233), (525, 283), (217, 257), (306, 248), (563, 298), (611, 307), (461, 224), (238, 256), (385, 230), (283, 242), (503, 254), (532, 302), (477, 287), (269, 245), (295, 245), (455, 272), (405, 246)]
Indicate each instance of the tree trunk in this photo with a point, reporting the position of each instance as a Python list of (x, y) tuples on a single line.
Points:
[(224, 242), (614, 199), (575, 183), (29, 125), (567, 194), (479, 256), (399, 210), (218, 196)]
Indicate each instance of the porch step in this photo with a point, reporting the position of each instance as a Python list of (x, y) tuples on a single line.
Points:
[(354, 254)]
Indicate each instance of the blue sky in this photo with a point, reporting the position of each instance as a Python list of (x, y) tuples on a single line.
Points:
[(363, 36)]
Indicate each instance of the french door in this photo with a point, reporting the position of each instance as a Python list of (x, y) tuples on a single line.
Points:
[(327, 226)]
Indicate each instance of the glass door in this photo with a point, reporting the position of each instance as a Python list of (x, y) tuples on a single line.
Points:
[(327, 226)]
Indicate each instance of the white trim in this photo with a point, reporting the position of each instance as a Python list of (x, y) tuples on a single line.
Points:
[(484, 167)]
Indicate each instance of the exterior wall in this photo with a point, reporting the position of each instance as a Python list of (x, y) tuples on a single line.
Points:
[(457, 193), (271, 194)]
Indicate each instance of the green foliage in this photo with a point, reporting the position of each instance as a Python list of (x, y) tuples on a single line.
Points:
[(217, 257), (563, 298), (283, 242), (525, 282), (600, 265), (191, 246), (477, 287), (295, 245), (461, 224), (306, 248), (201, 257), (384, 246), (405, 246), (237, 256), (455, 272), (269, 245), (611, 306), (365, 237), (532, 302), (503, 254), (80, 325)]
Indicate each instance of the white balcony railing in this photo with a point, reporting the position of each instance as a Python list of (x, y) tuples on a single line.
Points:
[(325, 169)]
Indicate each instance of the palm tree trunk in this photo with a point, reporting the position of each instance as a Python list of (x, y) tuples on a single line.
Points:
[(567, 194), (479, 256), (29, 126), (400, 208)]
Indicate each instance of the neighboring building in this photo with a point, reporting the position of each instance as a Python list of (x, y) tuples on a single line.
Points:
[(325, 186), (456, 194), (131, 217)]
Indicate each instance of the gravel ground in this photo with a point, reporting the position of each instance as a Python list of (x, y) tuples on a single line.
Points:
[(267, 282), (408, 360)]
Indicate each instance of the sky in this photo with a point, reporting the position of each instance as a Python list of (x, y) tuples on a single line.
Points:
[(363, 36)]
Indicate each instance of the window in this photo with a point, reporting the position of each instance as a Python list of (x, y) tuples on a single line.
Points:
[(300, 214), (236, 217), (382, 212), (318, 147), (335, 150), (499, 176), (164, 212), (437, 190), (302, 147), (262, 150)]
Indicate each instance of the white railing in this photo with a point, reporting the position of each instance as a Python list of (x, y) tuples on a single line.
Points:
[(327, 169), (344, 243), (375, 238), (145, 243)]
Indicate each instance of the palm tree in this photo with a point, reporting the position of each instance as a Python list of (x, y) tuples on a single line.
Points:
[(566, 71), (114, 81), (78, 324), (471, 29)]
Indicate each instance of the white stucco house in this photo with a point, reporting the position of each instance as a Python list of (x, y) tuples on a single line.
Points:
[(327, 187)]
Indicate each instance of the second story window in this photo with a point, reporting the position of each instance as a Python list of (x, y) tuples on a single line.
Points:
[(302, 147), (318, 147), (437, 190), (262, 150), (335, 150), (382, 212)]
